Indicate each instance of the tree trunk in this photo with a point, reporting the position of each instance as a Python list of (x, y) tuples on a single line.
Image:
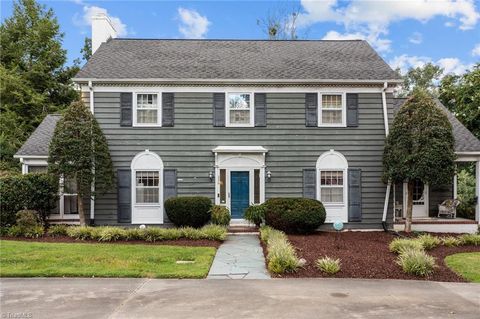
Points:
[(81, 211), (408, 221)]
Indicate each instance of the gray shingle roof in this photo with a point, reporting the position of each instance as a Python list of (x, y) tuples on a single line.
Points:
[(37, 144), (236, 60), (465, 141)]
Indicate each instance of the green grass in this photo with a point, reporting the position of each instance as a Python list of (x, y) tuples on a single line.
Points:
[(465, 264), (33, 259)]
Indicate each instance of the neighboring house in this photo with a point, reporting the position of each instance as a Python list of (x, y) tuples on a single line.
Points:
[(242, 121)]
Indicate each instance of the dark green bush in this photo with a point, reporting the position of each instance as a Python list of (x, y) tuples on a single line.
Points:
[(28, 218), (37, 192), (294, 215), (191, 211), (255, 214), (220, 215)]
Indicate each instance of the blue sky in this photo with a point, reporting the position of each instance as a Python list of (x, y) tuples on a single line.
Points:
[(405, 33)]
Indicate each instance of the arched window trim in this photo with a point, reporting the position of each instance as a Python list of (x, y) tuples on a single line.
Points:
[(325, 165)]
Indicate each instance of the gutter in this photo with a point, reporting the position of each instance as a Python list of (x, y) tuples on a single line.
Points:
[(389, 185), (92, 186)]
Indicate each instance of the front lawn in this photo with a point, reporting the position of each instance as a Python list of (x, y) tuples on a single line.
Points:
[(35, 259), (465, 264)]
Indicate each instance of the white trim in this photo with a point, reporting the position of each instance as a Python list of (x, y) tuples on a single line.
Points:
[(477, 191), (333, 161), (251, 109), (159, 109), (385, 111), (92, 104), (343, 94), (147, 213), (239, 149), (276, 81), (92, 186), (455, 185), (426, 192), (30, 156), (226, 88)]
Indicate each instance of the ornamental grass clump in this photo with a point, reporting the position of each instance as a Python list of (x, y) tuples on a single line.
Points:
[(84, 232), (328, 265), (108, 233), (281, 256), (399, 245), (57, 230), (470, 239), (220, 215), (416, 262), (428, 241), (451, 241), (214, 232)]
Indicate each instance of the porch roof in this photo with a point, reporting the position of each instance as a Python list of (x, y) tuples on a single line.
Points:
[(37, 144), (465, 141)]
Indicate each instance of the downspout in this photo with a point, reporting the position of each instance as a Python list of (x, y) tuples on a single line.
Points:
[(389, 185), (92, 186)]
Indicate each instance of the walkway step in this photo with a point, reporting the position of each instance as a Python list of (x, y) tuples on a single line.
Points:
[(242, 229), (239, 257)]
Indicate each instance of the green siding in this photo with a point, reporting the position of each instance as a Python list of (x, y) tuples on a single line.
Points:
[(292, 147)]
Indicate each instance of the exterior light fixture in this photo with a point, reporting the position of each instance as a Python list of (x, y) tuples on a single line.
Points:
[(269, 175), (211, 175)]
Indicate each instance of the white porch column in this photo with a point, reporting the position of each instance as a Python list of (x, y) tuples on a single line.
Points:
[(477, 190)]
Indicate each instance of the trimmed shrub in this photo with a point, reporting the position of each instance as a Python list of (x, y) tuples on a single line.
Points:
[(428, 241), (214, 232), (255, 214), (193, 211), (281, 256), (29, 232), (416, 262), (470, 239), (294, 215), (220, 215), (399, 245), (57, 230), (451, 241), (328, 265), (35, 191)]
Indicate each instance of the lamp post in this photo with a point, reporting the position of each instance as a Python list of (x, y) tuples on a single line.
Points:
[(338, 226)]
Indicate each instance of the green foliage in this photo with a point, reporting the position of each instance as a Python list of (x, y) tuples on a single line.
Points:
[(420, 144), (214, 232), (191, 211), (297, 215), (423, 77), (154, 234), (399, 245), (27, 219), (33, 78), (255, 214), (450, 241), (281, 256), (416, 262), (81, 232), (29, 232), (428, 241), (461, 95), (112, 234), (220, 215), (79, 151), (328, 265), (37, 192), (470, 239), (57, 230), (466, 194)]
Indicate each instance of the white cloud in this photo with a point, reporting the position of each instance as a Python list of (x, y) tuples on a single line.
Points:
[(416, 38), (449, 65), (476, 50), (192, 24), (381, 44), (89, 11)]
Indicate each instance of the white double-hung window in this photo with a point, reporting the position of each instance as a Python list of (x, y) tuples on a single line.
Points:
[(331, 187), (332, 110), (239, 110), (147, 109), (147, 187)]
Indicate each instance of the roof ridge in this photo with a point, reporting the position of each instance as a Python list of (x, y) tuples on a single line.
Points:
[(239, 40)]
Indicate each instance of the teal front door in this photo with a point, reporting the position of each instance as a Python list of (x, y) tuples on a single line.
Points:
[(240, 192)]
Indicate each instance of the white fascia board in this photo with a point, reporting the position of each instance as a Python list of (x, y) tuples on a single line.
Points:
[(239, 149), (221, 81), (30, 156)]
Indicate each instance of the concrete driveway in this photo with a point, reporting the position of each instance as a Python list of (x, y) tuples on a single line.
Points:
[(278, 298)]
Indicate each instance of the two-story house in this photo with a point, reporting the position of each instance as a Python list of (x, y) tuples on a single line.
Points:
[(240, 121)]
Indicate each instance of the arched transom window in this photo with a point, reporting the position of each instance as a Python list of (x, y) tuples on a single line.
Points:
[(332, 179)]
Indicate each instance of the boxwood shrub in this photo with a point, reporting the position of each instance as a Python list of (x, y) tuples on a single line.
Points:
[(193, 211), (294, 215)]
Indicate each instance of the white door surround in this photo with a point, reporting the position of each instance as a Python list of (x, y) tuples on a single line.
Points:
[(239, 158), (420, 206), (151, 212)]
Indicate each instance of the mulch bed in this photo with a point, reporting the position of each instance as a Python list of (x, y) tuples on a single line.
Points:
[(66, 239), (366, 255)]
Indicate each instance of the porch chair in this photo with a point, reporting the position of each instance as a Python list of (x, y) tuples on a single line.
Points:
[(448, 208)]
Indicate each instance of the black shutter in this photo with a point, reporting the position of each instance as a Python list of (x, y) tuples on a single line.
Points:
[(352, 109), (311, 109), (126, 109), (169, 187), (168, 109), (219, 109), (124, 193), (354, 195), (309, 183), (260, 109)]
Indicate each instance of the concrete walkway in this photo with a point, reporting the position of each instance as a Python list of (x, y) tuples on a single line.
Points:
[(277, 298), (239, 257)]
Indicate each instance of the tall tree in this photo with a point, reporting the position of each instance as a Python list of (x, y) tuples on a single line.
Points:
[(281, 24), (423, 78), (33, 78), (79, 152), (461, 95), (420, 146)]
